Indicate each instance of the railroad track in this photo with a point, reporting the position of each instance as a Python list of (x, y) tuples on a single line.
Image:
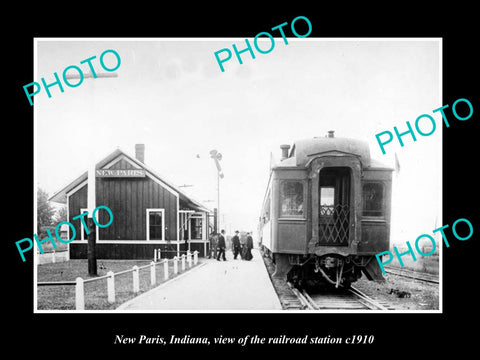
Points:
[(292, 298), (287, 294), (340, 299), (412, 274)]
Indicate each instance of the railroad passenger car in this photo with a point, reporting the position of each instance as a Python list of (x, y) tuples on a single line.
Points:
[(326, 212)]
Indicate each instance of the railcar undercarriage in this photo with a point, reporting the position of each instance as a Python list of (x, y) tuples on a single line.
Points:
[(330, 269)]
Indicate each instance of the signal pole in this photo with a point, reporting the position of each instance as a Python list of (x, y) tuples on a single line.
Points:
[(216, 156)]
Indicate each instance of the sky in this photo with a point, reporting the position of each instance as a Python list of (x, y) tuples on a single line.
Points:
[(171, 95)]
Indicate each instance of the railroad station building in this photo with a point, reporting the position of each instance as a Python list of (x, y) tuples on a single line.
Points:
[(149, 212)]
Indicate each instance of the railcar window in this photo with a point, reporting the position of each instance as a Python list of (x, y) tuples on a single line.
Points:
[(327, 196), (291, 198), (373, 195), (327, 200)]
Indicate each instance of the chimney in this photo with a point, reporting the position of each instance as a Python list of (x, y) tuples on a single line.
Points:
[(140, 152), (330, 133), (284, 151)]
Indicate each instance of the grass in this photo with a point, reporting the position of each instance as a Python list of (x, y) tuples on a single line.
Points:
[(62, 297), (423, 296), (47, 246), (427, 264)]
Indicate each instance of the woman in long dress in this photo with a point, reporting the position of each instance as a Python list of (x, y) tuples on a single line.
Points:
[(249, 247)]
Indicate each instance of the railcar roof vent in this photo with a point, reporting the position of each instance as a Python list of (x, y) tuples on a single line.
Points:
[(330, 133)]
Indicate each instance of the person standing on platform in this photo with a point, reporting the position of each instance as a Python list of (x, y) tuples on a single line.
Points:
[(213, 245), (243, 247), (221, 246), (235, 245), (249, 247)]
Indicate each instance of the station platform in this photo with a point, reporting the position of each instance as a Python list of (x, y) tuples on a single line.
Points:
[(213, 285)]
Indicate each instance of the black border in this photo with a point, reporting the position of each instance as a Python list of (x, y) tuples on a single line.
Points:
[(93, 334)]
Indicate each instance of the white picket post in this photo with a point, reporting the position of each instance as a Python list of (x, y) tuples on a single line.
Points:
[(136, 281), (155, 255), (165, 269), (111, 286), (183, 262), (189, 259), (195, 257), (175, 265), (79, 294), (153, 277)]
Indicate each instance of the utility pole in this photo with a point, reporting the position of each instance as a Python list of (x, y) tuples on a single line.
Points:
[(91, 195), (92, 235)]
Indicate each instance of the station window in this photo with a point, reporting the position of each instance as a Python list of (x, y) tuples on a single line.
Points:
[(373, 199), (83, 232), (155, 224), (196, 229), (291, 198)]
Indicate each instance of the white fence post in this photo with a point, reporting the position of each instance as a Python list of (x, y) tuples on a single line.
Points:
[(189, 259), (79, 294), (183, 262), (159, 254), (175, 265), (195, 257), (136, 282), (111, 286), (155, 255), (165, 269), (153, 279)]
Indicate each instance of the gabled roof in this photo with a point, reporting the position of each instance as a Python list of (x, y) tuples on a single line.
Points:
[(61, 195)]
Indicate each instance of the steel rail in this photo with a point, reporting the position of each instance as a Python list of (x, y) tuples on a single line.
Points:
[(413, 275), (306, 303), (362, 299), (367, 300)]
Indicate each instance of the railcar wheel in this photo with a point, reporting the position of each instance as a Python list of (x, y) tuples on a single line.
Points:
[(294, 276)]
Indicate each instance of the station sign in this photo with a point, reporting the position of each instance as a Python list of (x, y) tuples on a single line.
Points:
[(120, 173)]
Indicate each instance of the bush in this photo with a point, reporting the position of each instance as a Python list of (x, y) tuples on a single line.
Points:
[(47, 246)]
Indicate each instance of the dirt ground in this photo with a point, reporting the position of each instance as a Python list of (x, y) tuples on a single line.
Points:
[(407, 294)]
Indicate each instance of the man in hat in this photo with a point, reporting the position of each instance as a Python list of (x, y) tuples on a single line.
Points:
[(221, 246), (236, 245)]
